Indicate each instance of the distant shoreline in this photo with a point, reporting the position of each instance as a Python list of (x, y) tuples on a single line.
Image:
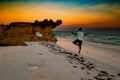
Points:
[(97, 36)]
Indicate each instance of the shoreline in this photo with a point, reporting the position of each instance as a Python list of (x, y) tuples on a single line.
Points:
[(104, 46), (114, 48)]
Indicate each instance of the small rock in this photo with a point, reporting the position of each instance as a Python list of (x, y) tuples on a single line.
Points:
[(112, 75), (90, 64), (118, 74), (69, 53), (104, 72), (71, 62), (75, 55), (75, 66), (81, 58), (82, 67), (109, 78)]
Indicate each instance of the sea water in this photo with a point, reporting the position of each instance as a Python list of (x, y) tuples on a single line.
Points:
[(105, 36)]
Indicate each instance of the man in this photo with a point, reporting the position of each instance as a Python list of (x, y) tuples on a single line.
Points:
[(79, 39)]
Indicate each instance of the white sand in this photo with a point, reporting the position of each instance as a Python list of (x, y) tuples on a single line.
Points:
[(34, 62), (37, 62)]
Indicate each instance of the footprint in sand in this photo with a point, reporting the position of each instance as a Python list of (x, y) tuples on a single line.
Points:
[(39, 75), (39, 53), (33, 66)]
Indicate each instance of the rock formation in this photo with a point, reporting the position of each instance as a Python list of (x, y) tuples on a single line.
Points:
[(18, 32), (45, 28)]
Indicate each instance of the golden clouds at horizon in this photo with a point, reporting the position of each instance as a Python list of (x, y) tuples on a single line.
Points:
[(96, 15)]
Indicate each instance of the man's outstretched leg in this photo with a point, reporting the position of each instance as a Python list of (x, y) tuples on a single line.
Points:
[(75, 42)]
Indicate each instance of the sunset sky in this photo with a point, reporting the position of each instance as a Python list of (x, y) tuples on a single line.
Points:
[(87, 13)]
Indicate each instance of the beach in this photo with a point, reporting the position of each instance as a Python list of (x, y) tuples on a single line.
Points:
[(37, 36), (60, 61)]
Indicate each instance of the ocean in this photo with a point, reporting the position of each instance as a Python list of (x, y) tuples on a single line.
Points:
[(105, 36)]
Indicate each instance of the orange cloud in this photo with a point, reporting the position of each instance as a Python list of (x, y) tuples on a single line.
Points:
[(96, 15)]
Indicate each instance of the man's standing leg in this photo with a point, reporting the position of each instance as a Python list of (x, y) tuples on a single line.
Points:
[(78, 43), (79, 49)]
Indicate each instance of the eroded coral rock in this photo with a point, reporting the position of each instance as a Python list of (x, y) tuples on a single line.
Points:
[(18, 32)]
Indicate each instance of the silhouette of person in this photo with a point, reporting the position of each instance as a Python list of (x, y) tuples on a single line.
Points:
[(79, 39)]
